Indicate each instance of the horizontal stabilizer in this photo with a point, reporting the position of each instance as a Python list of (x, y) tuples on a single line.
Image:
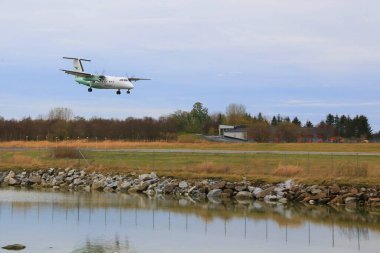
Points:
[(73, 58)]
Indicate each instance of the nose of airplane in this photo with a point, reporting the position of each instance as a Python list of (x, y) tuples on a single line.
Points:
[(130, 84)]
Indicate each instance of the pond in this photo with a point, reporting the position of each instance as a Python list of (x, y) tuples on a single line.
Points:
[(47, 221)]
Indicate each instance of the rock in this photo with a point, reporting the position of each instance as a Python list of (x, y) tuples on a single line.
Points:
[(316, 191), (229, 185), (144, 177), (34, 179), (350, 200), (77, 181), (315, 197), (270, 198), (312, 202), (168, 189), (265, 192), (11, 174), (283, 200), (113, 185), (14, 247), (12, 181), (240, 188), (97, 186), (125, 185), (334, 189), (2, 176), (217, 185), (243, 195), (289, 184), (338, 200), (191, 189), (256, 191), (87, 188), (215, 193), (141, 187), (182, 184)]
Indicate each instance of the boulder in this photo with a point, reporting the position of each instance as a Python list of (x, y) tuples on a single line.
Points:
[(124, 186), (141, 187), (34, 179), (243, 195), (240, 188), (183, 184), (334, 189), (97, 185), (12, 181), (289, 184), (270, 198), (215, 193), (168, 189), (144, 177), (350, 200), (217, 185), (265, 192)]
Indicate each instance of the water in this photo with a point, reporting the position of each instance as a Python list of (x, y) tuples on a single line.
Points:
[(101, 222)]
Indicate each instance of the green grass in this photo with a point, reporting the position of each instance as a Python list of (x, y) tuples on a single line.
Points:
[(361, 170)]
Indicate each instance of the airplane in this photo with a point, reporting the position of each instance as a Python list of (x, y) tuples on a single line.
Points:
[(100, 81)]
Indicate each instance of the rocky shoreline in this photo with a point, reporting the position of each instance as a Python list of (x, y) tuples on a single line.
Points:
[(207, 189)]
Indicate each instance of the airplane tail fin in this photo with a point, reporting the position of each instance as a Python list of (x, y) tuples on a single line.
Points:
[(78, 66)]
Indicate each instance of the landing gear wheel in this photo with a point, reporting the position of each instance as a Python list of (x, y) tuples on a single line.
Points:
[(128, 91), (89, 89), (118, 92)]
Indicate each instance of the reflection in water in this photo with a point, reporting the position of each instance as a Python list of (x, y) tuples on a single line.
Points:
[(100, 222)]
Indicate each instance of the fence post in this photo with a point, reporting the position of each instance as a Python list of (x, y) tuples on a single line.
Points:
[(154, 160), (245, 166)]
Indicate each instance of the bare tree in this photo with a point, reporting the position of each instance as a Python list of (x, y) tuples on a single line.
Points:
[(60, 113), (236, 114)]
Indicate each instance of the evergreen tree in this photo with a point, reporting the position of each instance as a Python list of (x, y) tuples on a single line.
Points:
[(330, 119), (296, 121), (274, 121), (309, 124)]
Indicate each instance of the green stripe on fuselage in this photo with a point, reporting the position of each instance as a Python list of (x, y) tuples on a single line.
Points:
[(86, 80)]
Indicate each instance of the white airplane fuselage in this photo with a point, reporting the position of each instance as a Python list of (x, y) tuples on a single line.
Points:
[(107, 82)]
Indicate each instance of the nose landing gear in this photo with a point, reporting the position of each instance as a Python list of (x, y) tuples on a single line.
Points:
[(128, 92), (90, 89)]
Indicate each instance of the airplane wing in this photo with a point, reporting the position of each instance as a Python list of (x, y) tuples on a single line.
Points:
[(77, 73), (83, 74), (134, 79)]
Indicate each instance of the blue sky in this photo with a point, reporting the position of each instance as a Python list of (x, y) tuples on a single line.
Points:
[(293, 57)]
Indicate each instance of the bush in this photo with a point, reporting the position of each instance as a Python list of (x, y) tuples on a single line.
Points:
[(70, 153), (287, 170)]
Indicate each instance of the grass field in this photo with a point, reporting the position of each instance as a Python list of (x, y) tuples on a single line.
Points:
[(358, 170), (308, 147)]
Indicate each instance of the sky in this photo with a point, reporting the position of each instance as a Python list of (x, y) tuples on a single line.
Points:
[(289, 57)]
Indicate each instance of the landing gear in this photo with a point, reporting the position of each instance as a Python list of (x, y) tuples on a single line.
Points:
[(118, 92), (90, 89), (128, 92)]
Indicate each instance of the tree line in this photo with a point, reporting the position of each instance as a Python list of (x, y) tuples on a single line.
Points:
[(61, 124)]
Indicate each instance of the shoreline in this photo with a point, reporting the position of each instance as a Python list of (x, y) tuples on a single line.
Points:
[(214, 190)]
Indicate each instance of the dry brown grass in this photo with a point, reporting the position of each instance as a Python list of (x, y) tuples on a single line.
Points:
[(288, 170), (201, 144), (22, 159)]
